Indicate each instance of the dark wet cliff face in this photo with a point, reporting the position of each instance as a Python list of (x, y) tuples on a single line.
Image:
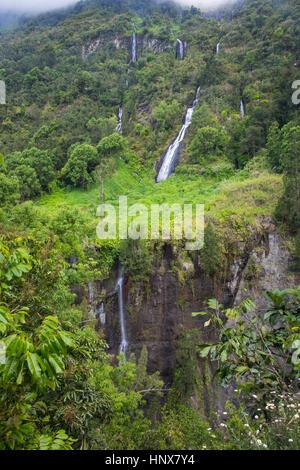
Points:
[(144, 44), (158, 314), (161, 318)]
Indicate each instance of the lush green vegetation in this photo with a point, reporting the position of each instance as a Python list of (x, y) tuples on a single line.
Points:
[(261, 354), (61, 156)]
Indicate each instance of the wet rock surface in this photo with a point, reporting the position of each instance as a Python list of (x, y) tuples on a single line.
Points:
[(160, 315)]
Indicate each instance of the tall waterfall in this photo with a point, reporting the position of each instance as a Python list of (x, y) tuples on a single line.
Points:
[(91, 292), (91, 299), (120, 115), (242, 108), (133, 46), (179, 50), (168, 165), (218, 48), (120, 288)]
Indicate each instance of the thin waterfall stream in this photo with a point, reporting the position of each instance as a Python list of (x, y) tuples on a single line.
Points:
[(242, 108), (120, 289), (101, 314), (91, 298), (179, 49), (133, 46), (91, 292), (168, 165), (120, 115)]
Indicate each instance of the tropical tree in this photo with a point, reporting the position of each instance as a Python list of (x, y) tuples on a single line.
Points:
[(108, 149), (28, 182), (42, 163), (208, 141), (31, 361), (9, 191), (260, 352), (288, 209), (82, 161)]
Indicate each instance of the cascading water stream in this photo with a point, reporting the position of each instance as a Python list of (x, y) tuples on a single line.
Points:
[(93, 311), (91, 298), (91, 292), (179, 50), (218, 48), (100, 314), (120, 287), (133, 46), (120, 115), (242, 108), (168, 164)]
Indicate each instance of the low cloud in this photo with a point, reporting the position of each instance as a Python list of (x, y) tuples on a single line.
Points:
[(33, 6), (205, 5)]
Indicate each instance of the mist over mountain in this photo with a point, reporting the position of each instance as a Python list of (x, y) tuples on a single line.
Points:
[(8, 18), (14, 13), (205, 5), (29, 7)]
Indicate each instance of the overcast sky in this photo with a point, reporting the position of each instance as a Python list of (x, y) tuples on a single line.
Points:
[(36, 6), (33, 6)]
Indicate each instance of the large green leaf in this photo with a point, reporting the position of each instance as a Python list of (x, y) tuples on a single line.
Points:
[(195, 314), (57, 364), (67, 338), (33, 365)]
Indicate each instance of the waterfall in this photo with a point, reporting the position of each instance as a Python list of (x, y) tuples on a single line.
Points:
[(100, 313), (218, 48), (133, 46), (168, 164), (120, 287), (242, 108), (120, 115), (179, 50), (92, 311), (91, 292)]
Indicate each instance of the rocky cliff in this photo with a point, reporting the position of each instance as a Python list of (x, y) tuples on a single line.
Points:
[(159, 314)]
